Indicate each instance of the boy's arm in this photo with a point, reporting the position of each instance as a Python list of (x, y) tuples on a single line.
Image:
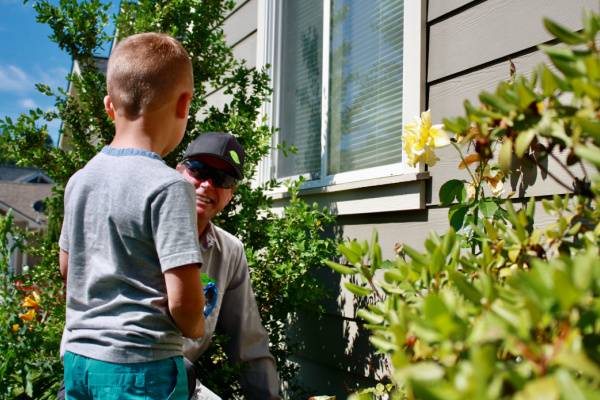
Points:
[(186, 299), (63, 263)]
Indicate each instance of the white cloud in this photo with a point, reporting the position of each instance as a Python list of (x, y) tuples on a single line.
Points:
[(28, 103), (14, 79)]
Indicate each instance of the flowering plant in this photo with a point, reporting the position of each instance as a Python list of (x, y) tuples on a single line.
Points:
[(497, 308), (469, 200), (421, 137), (31, 314)]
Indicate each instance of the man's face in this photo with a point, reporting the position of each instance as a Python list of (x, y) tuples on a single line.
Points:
[(210, 200)]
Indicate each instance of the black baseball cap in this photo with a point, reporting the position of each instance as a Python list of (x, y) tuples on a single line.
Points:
[(219, 145)]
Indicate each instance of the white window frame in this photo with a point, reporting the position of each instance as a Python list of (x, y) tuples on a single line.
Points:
[(269, 53)]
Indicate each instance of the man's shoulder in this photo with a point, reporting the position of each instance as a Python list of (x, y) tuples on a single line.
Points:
[(227, 239)]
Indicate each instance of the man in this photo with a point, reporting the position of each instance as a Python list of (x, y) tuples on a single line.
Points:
[(213, 163)]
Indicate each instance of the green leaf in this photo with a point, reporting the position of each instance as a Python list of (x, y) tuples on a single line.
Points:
[(496, 102), (525, 94), (456, 215), (568, 387), (488, 208), (571, 69), (351, 253), (579, 362), (383, 344), (567, 293), (523, 141), (358, 290), (505, 154), (465, 288), (438, 260), (340, 268), (540, 389), (375, 252), (370, 317), (453, 189), (590, 127), (550, 82), (558, 53), (393, 275), (418, 257), (421, 371), (456, 125), (590, 153), (563, 34)]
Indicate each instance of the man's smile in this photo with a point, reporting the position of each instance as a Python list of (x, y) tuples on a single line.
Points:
[(204, 199)]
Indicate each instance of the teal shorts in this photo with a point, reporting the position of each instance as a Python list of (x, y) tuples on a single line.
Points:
[(86, 378)]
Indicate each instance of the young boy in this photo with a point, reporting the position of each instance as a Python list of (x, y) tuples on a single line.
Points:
[(129, 247)]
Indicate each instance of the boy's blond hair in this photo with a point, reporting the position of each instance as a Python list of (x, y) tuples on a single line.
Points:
[(145, 70)]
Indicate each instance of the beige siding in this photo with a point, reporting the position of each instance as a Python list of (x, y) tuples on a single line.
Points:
[(241, 22), (494, 29), (463, 62), (240, 33), (438, 8), (246, 50)]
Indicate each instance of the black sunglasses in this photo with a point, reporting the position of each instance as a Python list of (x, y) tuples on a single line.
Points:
[(203, 172)]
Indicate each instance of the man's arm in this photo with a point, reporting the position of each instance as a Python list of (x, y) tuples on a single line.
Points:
[(249, 344), (63, 263), (186, 299)]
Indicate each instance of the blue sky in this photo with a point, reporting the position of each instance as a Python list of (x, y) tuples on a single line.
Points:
[(27, 57)]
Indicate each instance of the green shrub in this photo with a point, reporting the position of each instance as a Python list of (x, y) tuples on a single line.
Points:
[(31, 322), (496, 307)]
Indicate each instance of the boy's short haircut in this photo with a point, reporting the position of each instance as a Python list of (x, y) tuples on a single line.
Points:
[(145, 70)]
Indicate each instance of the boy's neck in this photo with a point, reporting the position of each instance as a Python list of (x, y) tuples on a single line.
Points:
[(134, 134)]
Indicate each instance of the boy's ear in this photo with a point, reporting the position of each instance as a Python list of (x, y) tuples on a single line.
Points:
[(180, 168), (183, 104), (109, 107)]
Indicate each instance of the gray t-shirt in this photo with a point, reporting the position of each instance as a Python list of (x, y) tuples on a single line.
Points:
[(236, 315), (128, 219)]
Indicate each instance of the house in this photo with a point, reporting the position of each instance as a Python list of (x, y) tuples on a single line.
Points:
[(23, 174), (22, 191), (346, 75)]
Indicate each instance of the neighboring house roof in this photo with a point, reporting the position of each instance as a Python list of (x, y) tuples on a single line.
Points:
[(23, 175), (20, 197)]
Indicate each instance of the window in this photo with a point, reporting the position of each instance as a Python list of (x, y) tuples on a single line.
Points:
[(342, 85)]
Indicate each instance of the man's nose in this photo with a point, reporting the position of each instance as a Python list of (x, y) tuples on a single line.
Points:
[(205, 182)]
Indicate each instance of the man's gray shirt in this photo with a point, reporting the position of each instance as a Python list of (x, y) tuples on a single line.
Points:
[(128, 219), (235, 315)]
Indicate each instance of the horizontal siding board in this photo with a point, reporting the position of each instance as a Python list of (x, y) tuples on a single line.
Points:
[(446, 98), (494, 29), (408, 227), (246, 50), (241, 22), (437, 8)]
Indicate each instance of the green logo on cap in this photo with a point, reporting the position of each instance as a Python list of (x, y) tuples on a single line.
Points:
[(234, 157)]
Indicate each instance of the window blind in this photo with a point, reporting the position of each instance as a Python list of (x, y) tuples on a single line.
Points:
[(365, 84), (300, 96)]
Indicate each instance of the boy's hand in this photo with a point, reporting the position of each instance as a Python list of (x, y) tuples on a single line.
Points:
[(186, 299)]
